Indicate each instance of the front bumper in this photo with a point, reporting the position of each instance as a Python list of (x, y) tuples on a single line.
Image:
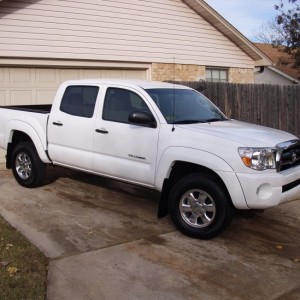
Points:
[(270, 189)]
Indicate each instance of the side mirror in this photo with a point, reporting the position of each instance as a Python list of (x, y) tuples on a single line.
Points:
[(142, 119)]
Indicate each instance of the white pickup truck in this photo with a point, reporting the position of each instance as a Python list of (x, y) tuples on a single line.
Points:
[(162, 136)]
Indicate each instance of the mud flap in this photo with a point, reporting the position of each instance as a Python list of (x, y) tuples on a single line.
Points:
[(164, 198), (8, 155)]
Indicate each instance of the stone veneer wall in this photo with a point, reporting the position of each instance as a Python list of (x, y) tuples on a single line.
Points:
[(237, 75), (162, 72)]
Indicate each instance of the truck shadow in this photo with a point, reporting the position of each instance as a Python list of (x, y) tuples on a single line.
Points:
[(56, 173), (275, 231)]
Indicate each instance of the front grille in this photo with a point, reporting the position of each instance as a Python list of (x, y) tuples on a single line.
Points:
[(288, 155)]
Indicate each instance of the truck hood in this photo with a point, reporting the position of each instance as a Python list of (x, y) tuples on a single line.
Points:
[(246, 134)]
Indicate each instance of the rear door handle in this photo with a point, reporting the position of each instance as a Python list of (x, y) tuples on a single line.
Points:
[(57, 123), (104, 131)]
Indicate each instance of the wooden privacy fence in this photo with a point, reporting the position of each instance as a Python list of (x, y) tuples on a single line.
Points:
[(274, 106)]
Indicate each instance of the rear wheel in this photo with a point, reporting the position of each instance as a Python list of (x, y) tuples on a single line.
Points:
[(28, 169), (199, 206)]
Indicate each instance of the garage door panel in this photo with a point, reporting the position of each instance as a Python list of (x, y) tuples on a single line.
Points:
[(21, 77), (135, 74), (22, 97), (92, 74), (2, 76), (113, 73), (3, 97), (69, 74), (45, 96), (47, 78), (21, 86)]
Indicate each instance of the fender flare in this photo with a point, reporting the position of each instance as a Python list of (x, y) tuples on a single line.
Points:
[(204, 159), (189, 155), (17, 125)]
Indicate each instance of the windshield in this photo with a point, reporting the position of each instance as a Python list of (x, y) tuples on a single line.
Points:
[(180, 106)]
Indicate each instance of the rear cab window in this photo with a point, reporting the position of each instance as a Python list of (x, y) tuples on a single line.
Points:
[(79, 100)]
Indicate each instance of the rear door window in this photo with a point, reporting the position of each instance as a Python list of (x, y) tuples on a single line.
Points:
[(79, 101)]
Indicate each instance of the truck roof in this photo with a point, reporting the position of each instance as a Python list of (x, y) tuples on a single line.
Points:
[(128, 82)]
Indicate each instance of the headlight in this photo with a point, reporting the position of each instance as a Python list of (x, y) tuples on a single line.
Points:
[(258, 158)]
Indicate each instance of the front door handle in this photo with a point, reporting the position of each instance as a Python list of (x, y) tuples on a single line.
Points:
[(104, 131), (57, 123)]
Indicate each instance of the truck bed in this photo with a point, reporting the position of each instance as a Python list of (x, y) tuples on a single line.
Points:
[(41, 108)]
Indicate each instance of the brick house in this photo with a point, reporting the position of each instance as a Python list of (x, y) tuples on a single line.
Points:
[(44, 42)]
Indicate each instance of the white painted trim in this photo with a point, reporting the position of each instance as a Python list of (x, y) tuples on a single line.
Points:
[(24, 62)]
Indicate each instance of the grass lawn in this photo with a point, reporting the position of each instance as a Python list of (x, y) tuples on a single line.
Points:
[(23, 268)]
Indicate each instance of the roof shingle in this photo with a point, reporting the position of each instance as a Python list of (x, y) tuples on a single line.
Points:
[(281, 60)]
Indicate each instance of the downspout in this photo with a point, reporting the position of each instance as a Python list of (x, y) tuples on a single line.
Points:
[(261, 70)]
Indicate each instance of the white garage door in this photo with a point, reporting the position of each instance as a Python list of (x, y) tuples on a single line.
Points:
[(38, 85)]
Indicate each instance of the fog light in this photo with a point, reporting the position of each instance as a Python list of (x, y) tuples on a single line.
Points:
[(264, 191)]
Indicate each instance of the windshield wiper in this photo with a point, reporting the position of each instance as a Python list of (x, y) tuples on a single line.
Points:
[(214, 120), (199, 121), (188, 122)]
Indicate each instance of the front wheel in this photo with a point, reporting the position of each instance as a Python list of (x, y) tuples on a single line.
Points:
[(27, 167), (199, 206)]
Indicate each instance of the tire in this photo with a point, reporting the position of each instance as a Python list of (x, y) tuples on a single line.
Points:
[(28, 169), (199, 206)]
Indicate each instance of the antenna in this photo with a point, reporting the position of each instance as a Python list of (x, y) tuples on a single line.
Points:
[(173, 127)]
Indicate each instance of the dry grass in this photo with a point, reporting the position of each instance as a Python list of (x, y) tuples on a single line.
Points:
[(23, 268)]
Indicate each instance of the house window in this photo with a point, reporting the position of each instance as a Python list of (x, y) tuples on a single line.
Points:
[(216, 75)]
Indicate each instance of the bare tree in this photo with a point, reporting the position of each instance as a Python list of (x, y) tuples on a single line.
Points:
[(268, 32)]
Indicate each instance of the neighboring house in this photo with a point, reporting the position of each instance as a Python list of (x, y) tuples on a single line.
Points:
[(281, 71), (44, 42)]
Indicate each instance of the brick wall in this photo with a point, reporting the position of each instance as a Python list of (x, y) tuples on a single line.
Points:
[(237, 75), (163, 72)]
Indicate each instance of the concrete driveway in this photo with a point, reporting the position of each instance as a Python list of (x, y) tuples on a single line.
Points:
[(105, 242)]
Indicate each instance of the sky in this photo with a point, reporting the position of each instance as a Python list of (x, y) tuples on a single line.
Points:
[(245, 15)]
